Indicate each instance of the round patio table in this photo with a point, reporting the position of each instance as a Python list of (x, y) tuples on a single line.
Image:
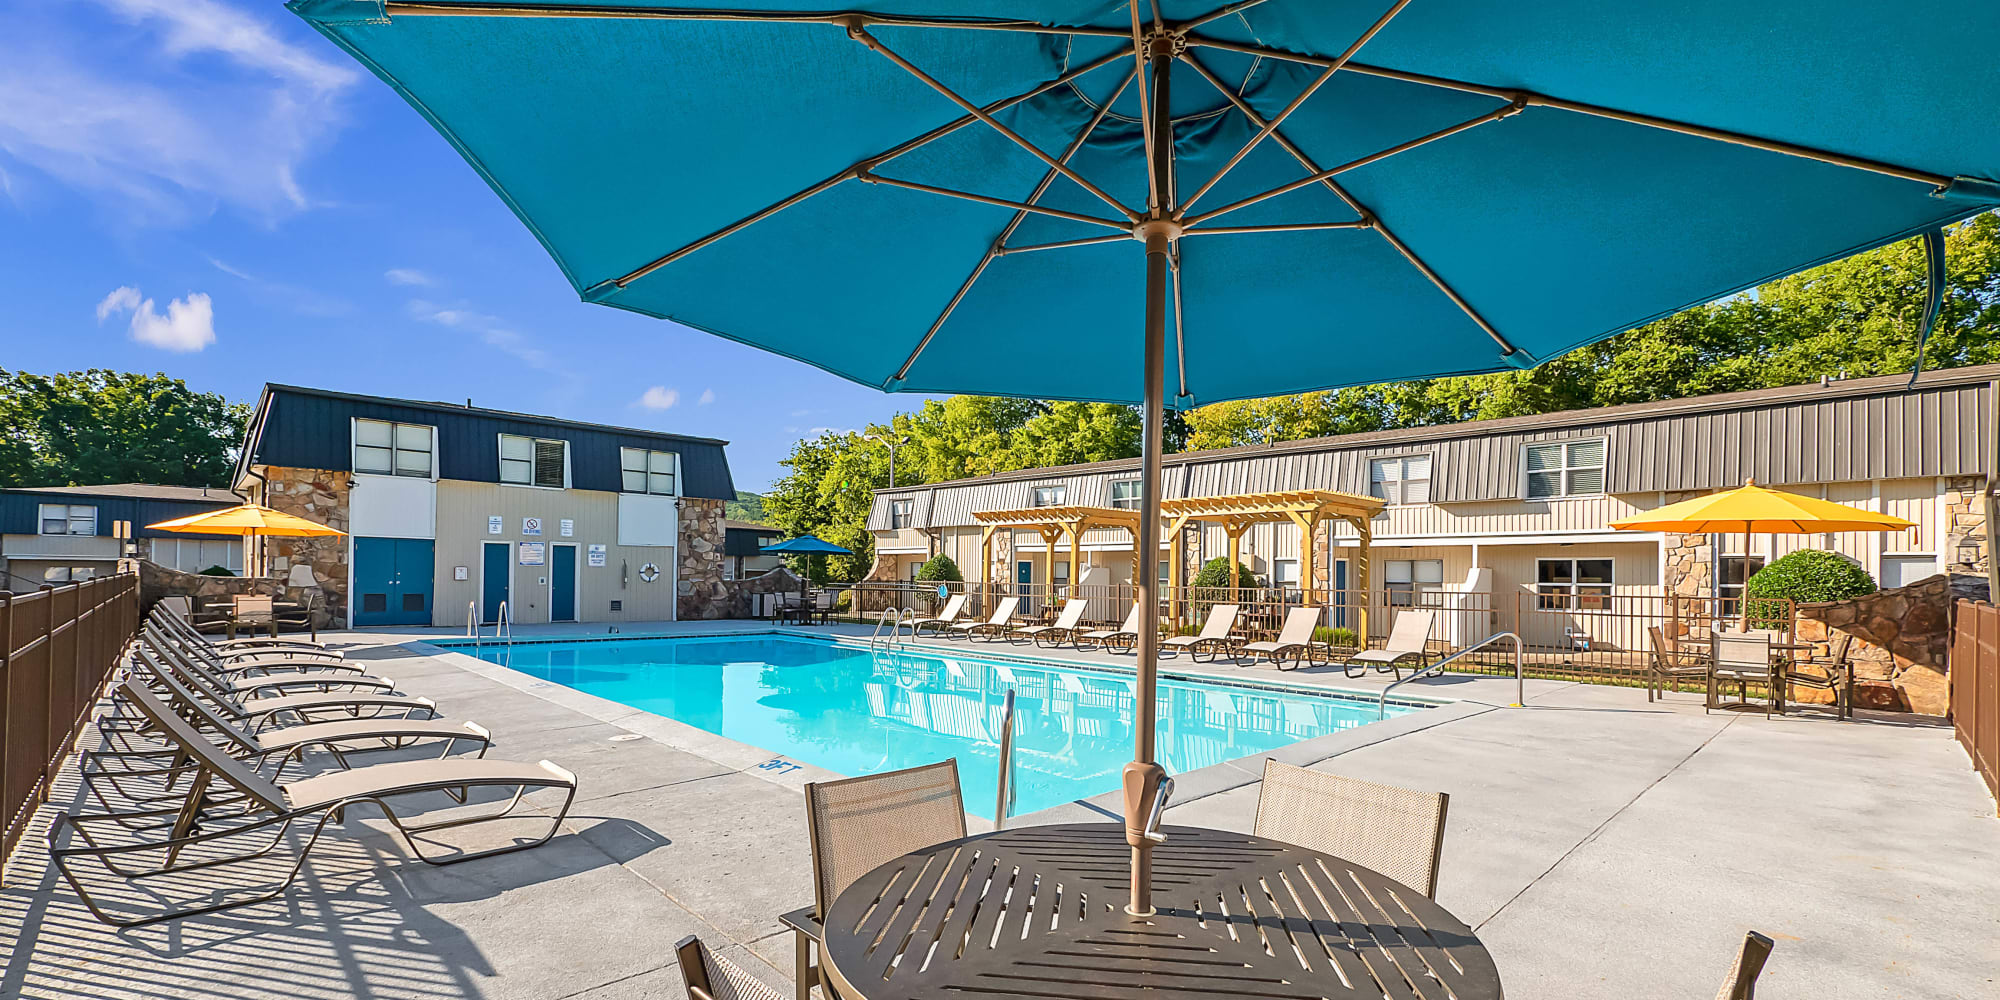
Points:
[(1039, 911)]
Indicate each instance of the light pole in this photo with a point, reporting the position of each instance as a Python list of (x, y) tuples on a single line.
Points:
[(892, 440)]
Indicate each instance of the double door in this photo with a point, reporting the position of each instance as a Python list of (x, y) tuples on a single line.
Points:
[(393, 581)]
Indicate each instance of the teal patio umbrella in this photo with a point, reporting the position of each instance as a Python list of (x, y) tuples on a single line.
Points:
[(806, 545), (1177, 202)]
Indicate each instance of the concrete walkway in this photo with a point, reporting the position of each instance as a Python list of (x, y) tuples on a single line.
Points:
[(1601, 846)]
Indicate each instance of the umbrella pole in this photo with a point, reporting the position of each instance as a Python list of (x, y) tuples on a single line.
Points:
[(1143, 775)]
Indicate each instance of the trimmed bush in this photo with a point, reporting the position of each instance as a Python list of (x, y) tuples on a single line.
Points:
[(1215, 573), (1341, 637), (216, 571), (1810, 575), (940, 569)]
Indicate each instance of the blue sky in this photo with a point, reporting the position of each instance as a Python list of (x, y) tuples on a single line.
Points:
[(208, 189)]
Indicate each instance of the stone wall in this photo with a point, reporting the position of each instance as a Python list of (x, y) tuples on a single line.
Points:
[(1965, 526), (704, 594), (318, 495), (1902, 644), (157, 581)]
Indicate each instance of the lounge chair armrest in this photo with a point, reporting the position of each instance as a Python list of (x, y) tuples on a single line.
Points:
[(803, 921), (562, 773)]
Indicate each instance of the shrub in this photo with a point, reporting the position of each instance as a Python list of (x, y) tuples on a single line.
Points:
[(1342, 637), (1810, 575), (940, 569), (1215, 573), (216, 571)]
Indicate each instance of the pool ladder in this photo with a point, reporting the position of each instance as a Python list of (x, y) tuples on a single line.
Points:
[(501, 620), (892, 619), (1520, 684), (1004, 796)]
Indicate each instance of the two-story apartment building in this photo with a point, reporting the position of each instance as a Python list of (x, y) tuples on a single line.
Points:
[(55, 534), (452, 510), (1526, 501)]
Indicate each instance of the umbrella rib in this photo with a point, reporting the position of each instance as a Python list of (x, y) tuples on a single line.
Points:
[(997, 247), (501, 8), (1059, 245), (1145, 114), (1290, 227), (855, 171), (1218, 14), (1507, 349), (1504, 111), (875, 45), (1532, 99), (1297, 102), (870, 177), (1180, 328)]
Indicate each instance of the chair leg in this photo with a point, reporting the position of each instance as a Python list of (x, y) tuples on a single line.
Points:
[(802, 965)]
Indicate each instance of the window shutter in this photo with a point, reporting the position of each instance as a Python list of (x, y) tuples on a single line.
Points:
[(549, 463)]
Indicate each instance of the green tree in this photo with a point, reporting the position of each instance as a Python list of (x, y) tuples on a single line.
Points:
[(94, 427), (747, 506)]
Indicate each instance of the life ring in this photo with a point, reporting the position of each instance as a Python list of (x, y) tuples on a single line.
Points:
[(649, 572)]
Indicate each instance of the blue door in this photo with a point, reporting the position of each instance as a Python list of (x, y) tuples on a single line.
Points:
[(562, 583), (1340, 598), (392, 581), (1024, 575), (494, 572)]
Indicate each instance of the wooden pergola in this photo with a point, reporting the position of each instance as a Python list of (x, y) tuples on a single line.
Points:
[(1053, 524), (1307, 509)]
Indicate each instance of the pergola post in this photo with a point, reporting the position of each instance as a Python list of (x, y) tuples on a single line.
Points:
[(1235, 530), (985, 565), (1306, 576), (1050, 535), (1177, 561), (1075, 530), (1361, 583)]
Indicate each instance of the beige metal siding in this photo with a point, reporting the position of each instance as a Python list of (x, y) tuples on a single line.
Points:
[(463, 509)]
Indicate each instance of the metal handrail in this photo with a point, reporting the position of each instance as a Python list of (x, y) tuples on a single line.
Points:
[(472, 624), (1520, 684), (875, 637), (1004, 798), (503, 620)]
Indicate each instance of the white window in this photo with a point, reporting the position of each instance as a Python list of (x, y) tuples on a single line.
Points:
[(1573, 584), (1901, 571), (729, 568), (68, 519), (1404, 579), (651, 471), (1050, 496), (1404, 479), (534, 461), (1125, 494), (192, 555), (67, 574), (1564, 469), (899, 513), (1736, 570), (1285, 575), (386, 448)]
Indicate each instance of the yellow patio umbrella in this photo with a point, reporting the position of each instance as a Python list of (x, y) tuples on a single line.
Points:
[(249, 520), (1752, 508)]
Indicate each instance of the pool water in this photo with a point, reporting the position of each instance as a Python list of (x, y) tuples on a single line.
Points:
[(848, 710)]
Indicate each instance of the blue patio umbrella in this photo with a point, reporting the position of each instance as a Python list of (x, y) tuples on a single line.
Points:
[(1176, 202), (808, 546)]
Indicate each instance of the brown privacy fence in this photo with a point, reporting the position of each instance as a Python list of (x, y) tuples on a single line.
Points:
[(57, 647), (1975, 688), (1571, 631)]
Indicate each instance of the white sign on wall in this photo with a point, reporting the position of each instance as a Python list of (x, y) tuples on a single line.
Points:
[(494, 525), (568, 528), (597, 555), (531, 526), (532, 553)]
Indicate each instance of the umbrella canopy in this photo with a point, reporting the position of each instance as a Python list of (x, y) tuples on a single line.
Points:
[(806, 545), (247, 519), (1184, 201), (1751, 508)]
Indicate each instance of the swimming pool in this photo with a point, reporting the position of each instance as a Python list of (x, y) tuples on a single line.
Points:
[(844, 709)]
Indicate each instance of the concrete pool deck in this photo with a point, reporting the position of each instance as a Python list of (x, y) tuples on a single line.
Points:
[(1599, 845)]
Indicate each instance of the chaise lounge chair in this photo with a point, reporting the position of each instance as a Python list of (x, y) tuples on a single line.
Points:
[(268, 809), (1410, 637), (997, 625), (936, 623), (1124, 636), (260, 714), (1294, 638), (1214, 634), (1065, 626), (175, 619)]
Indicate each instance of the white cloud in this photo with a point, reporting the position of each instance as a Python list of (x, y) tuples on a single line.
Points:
[(660, 397), (124, 298), (835, 431), (492, 331), (226, 269), (190, 104), (707, 397), (189, 324), (408, 276)]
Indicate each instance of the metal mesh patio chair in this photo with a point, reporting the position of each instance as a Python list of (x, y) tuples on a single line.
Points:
[(1742, 660), (1741, 983), (709, 976), (856, 824), (1395, 831), (1669, 664), (1835, 675)]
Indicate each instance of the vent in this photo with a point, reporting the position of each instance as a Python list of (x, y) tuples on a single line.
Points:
[(374, 603), (617, 606), (413, 602)]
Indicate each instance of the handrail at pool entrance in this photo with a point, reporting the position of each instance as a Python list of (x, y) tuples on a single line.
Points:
[(895, 627), (1004, 799), (472, 624), (1382, 704), (503, 620)]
